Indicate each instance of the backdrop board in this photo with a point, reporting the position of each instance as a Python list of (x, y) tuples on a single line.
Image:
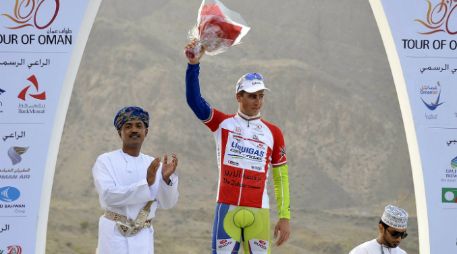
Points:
[(41, 45), (421, 45)]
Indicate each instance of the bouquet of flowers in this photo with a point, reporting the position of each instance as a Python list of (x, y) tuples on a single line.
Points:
[(217, 29)]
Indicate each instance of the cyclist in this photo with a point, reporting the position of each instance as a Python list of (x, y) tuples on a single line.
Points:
[(246, 147)]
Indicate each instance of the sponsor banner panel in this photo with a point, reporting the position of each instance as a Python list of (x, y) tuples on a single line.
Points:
[(421, 44), (41, 44)]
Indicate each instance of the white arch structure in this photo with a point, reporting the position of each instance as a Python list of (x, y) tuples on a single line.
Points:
[(420, 42), (41, 46)]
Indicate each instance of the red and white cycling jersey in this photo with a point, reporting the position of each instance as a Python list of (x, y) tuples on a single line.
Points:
[(245, 150)]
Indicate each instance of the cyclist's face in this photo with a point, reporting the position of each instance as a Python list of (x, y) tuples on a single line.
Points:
[(250, 103)]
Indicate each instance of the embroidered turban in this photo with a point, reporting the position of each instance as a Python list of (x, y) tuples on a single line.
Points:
[(130, 113)]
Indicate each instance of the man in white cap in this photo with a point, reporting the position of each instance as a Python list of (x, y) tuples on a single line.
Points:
[(391, 230), (248, 148)]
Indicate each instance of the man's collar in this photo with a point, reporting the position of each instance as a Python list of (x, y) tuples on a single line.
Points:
[(249, 118)]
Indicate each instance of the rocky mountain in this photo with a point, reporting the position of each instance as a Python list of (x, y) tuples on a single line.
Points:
[(332, 94)]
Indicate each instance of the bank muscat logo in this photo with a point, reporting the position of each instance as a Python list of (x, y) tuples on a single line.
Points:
[(9, 194), (440, 17), (39, 14), (449, 195), (15, 152), (433, 92), (24, 92)]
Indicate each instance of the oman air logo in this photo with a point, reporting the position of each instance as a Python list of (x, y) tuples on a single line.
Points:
[(434, 91), (15, 153), (39, 14), (440, 17), (9, 194), (449, 195), (39, 96)]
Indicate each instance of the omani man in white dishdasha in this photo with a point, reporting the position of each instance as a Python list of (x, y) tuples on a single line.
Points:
[(391, 231), (131, 186)]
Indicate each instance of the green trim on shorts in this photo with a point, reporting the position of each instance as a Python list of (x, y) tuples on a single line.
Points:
[(254, 221)]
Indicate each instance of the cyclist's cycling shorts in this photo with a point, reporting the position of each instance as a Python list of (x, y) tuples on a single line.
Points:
[(234, 225)]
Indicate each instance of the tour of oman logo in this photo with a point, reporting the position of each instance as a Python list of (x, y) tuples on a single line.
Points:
[(34, 81), (34, 13), (440, 17)]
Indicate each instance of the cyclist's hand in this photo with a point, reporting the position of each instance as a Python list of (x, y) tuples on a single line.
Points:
[(193, 52), (282, 231)]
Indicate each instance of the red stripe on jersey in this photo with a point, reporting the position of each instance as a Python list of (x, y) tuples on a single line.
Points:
[(279, 147), (216, 119)]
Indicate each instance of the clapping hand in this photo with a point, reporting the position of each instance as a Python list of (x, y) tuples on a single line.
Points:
[(152, 169), (168, 168)]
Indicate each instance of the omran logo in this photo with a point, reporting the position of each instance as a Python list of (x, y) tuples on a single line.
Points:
[(39, 14)]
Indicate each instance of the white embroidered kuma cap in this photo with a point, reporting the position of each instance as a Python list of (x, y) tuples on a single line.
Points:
[(395, 217), (251, 83)]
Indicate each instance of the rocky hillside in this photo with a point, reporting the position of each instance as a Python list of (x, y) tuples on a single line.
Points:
[(332, 94)]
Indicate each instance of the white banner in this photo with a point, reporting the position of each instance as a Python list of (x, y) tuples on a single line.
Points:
[(420, 38), (41, 45)]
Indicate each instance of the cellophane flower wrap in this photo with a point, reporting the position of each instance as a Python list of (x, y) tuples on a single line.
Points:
[(217, 28)]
